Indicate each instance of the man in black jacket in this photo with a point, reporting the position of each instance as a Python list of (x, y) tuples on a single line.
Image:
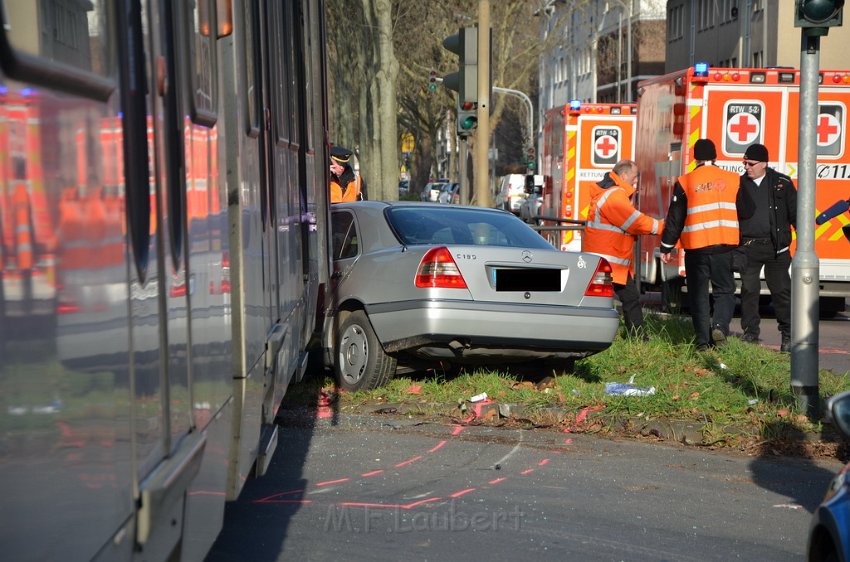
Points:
[(766, 238)]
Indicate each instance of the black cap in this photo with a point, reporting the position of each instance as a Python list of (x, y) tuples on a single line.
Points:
[(757, 153), (340, 154), (704, 150)]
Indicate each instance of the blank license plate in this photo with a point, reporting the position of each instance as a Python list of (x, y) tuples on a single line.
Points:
[(528, 280)]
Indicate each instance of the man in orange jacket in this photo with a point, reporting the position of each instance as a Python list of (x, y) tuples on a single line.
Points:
[(612, 226), (345, 184), (703, 216)]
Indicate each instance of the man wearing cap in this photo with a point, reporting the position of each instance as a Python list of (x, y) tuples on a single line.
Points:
[(345, 185), (612, 226), (703, 217), (766, 237)]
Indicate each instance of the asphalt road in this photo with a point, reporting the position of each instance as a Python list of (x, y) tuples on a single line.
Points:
[(375, 488)]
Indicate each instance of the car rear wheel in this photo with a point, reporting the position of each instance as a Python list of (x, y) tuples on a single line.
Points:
[(361, 363)]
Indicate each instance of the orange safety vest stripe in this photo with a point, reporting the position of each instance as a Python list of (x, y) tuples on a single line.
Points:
[(712, 217)]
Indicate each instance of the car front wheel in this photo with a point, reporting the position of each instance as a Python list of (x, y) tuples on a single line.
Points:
[(361, 363)]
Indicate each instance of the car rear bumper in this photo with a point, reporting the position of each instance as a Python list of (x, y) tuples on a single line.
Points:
[(410, 324)]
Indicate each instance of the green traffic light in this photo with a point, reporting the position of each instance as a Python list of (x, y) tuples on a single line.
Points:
[(432, 87), (468, 123)]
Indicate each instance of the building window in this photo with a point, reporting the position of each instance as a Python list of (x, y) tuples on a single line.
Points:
[(675, 23)]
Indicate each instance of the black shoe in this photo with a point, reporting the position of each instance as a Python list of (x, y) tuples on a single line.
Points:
[(750, 338), (717, 336), (704, 347), (785, 347)]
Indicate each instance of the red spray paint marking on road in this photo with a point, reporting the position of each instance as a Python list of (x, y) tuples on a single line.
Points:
[(333, 482), (273, 498), (462, 492), (457, 429), (543, 462), (497, 481), (529, 471), (440, 444), (373, 473), (408, 461)]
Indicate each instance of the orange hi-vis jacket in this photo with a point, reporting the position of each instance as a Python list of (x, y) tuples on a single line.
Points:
[(351, 193), (612, 224), (712, 217)]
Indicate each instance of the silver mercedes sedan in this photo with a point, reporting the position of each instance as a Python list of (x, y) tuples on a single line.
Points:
[(420, 285)]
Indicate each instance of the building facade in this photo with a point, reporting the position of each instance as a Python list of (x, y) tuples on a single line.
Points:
[(743, 33), (601, 50)]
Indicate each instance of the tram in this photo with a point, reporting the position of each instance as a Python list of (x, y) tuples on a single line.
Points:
[(163, 248)]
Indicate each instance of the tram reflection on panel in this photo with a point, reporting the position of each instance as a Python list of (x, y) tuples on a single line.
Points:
[(153, 308)]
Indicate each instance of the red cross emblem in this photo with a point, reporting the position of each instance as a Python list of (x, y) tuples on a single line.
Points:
[(829, 129), (743, 128), (605, 146)]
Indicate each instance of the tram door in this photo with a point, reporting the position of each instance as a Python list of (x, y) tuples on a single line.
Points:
[(167, 454), (281, 151)]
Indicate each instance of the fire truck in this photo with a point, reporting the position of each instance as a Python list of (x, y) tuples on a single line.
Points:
[(736, 107), (581, 141)]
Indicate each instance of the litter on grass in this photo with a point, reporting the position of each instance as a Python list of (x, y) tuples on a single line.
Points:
[(628, 388)]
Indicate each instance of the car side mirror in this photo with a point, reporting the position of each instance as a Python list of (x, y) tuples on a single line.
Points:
[(838, 408)]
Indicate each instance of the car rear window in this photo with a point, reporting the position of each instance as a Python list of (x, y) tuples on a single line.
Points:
[(465, 225)]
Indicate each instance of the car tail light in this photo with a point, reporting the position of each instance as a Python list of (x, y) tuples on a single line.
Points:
[(438, 270), (602, 284)]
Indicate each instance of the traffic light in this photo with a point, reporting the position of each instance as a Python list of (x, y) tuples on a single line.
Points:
[(465, 80), (817, 16), (531, 159), (432, 81), (467, 118)]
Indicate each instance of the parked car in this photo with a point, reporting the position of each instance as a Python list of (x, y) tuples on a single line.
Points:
[(432, 190), (449, 194), (829, 532), (514, 188), (418, 284)]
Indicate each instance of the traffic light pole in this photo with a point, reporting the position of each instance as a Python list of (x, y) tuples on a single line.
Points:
[(804, 268), (463, 179), (527, 101), (483, 194)]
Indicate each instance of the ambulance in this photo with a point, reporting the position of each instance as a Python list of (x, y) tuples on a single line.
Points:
[(581, 141), (736, 107)]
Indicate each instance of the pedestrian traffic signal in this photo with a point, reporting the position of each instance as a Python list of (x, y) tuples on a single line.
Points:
[(817, 16), (465, 80), (467, 118), (432, 80)]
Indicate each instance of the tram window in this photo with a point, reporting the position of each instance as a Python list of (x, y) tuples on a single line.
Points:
[(282, 73), (251, 61), (309, 83), (64, 45), (202, 62), (294, 76)]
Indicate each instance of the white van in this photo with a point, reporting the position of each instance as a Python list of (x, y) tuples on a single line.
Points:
[(512, 191)]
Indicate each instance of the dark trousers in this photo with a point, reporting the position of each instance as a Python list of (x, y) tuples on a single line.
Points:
[(778, 283), (630, 299), (701, 270)]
